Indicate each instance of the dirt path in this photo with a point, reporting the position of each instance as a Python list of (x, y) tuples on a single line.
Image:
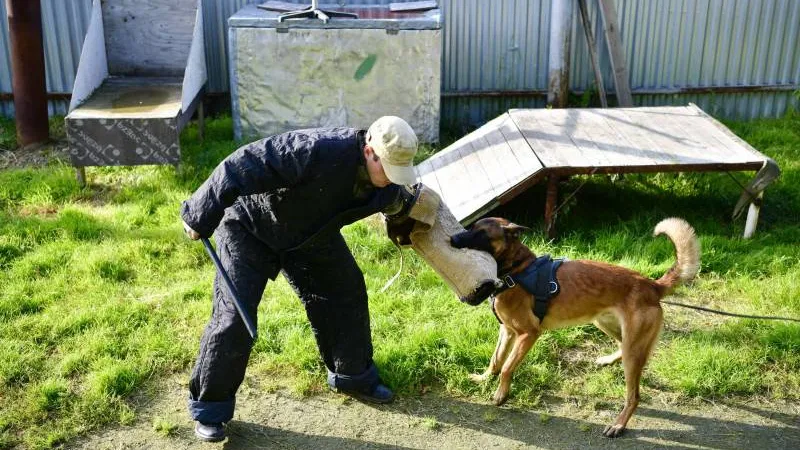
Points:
[(432, 421)]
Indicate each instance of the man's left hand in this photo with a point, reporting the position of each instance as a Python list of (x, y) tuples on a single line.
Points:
[(193, 235)]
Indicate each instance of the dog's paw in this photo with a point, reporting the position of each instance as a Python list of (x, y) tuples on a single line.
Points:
[(478, 377), (500, 397), (614, 430), (608, 359)]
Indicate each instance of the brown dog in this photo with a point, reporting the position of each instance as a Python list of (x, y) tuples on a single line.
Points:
[(619, 301)]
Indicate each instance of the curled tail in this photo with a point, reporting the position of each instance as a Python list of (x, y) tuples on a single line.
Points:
[(687, 252)]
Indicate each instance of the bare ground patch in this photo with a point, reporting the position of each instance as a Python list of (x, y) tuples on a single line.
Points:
[(436, 421)]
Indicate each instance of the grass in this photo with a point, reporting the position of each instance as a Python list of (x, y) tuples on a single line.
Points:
[(101, 296)]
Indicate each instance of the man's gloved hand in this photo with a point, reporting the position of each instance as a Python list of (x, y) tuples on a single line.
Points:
[(399, 230), (193, 235), (401, 203), (398, 224)]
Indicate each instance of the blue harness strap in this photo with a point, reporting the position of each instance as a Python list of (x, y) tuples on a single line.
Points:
[(539, 279)]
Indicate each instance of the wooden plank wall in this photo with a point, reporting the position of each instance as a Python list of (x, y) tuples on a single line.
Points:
[(148, 38)]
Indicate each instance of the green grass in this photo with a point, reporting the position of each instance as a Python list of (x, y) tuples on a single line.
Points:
[(101, 296)]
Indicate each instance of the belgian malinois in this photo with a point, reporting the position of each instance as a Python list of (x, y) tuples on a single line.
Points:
[(622, 303)]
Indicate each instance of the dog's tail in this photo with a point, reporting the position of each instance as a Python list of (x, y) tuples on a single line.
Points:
[(687, 252)]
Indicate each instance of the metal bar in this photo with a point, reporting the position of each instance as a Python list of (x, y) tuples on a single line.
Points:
[(80, 175), (27, 65), (774, 88), (768, 88), (752, 217), (248, 321)]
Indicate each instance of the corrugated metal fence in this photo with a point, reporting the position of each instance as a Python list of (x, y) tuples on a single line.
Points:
[(495, 53)]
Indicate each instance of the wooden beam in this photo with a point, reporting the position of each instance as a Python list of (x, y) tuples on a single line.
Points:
[(550, 206), (587, 29), (616, 52)]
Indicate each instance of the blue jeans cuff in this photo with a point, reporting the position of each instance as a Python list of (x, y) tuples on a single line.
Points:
[(364, 381), (211, 412)]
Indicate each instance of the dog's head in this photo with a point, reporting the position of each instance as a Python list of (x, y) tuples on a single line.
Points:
[(493, 235)]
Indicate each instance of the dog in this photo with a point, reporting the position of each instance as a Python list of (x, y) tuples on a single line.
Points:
[(621, 302)]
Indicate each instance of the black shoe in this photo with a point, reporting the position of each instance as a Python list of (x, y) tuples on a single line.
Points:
[(210, 432), (378, 394)]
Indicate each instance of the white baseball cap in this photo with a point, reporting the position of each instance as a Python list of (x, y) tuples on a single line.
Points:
[(395, 143)]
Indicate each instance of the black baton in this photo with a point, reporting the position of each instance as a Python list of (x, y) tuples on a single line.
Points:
[(248, 322)]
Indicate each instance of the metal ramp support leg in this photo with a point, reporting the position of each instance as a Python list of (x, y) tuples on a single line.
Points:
[(80, 175), (754, 194)]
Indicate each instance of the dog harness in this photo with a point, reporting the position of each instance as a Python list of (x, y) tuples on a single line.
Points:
[(539, 279)]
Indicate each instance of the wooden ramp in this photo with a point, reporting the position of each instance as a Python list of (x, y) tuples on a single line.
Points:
[(522, 147)]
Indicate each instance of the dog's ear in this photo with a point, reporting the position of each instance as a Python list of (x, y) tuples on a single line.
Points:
[(512, 230)]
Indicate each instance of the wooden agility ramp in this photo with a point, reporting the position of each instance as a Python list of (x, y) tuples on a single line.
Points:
[(522, 147)]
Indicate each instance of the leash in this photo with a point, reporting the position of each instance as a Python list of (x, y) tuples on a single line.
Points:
[(724, 313), (394, 278), (248, 321)]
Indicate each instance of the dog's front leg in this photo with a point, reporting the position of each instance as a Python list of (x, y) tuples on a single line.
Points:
[(522, 344), (499, 356)]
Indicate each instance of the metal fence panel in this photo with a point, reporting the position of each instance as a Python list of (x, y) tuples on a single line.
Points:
[(501, 46)]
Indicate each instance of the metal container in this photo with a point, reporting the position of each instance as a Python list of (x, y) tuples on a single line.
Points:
[(346, 72)]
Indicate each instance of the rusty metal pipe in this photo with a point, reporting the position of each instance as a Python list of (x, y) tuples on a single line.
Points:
[(27, 70)]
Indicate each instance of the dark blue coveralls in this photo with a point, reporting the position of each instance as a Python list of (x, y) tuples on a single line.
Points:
[(278, 205)]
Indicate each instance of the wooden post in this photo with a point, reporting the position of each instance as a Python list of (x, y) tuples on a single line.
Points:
[(616, 52), (560, 34), (550, 206), (27, 67), (587, 29)]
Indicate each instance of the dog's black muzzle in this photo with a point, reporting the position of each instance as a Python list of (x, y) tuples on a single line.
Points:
[(460, 240), (476, 240), (484, 291)]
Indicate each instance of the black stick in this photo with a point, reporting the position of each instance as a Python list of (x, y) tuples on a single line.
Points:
[(248, 322)]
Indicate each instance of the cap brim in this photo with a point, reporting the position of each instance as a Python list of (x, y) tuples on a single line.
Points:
[(402, 175)]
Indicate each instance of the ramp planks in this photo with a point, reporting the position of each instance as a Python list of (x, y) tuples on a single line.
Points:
[(521, 147)]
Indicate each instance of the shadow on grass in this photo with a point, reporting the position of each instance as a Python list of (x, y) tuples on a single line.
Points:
[(742, 426)]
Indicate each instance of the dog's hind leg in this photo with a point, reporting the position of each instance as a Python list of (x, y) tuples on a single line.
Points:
[(522, 344), (641, 333), (499, 357), (609, 324)]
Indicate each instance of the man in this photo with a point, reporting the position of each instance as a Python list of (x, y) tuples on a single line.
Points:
[(278, 205)]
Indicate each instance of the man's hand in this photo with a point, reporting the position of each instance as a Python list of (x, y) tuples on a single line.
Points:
[(193, 235), (399, 230)]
